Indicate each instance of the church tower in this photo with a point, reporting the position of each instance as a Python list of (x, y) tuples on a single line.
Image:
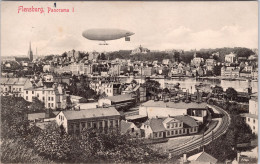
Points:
[(30, 53)]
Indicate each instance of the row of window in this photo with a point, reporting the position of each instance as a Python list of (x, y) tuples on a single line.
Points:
[(249, 120), (49, 92), (175, 132), (174, 125), (14, 89), (95, 125), (61, 118)]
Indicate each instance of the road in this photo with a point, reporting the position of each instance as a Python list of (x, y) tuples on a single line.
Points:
[(219, 130)]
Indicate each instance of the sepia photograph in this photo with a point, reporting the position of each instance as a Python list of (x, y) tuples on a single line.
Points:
[(129, 82)]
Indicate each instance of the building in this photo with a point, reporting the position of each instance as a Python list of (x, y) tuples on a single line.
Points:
[(117, 101), (166, 127), (138, 90), (14, 86), (254, 74), (153, 109), (210, 64), (231, 58), (252, 116), (102, 120), (140, 49), (130, 128), (48, 68), (109, 88), (230, 72), (51, 94), (197, 61), (199, 158)]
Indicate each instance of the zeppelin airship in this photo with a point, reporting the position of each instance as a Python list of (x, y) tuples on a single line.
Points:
[(106, 34)]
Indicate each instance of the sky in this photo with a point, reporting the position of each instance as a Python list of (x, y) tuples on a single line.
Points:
[(157, 26)]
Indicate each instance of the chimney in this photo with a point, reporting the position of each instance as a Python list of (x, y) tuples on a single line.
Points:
[(238, 156), (184, 157)]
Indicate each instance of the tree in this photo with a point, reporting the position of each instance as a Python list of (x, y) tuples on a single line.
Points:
[(231, 93), (217, 90), (102, 56), (36, 106)]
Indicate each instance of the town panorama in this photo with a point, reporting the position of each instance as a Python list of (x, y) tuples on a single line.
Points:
[(138, 105)]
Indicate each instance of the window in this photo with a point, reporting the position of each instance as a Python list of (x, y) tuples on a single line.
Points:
[(49, 98), (254, 121), (184, 130), (106, 123), (168, 133), (176, 131), (26, 97), (94, 125), (51, 104), (180, 125), (26, 91), (83, 125), (160, 134), (52, 98), (248, 119), (89, 124), (180, 131), (168, 126), (43, 98), (37, 94), (254, 127), (32, 92), (111, 123), (116, 123), (155, 134), (101, 124), (172, 132), (133, 129), (20, 89), (191, 130)]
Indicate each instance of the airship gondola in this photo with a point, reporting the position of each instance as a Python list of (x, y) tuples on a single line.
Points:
[(106, 34)]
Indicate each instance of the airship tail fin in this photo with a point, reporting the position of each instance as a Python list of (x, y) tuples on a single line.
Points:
[(127, 39)]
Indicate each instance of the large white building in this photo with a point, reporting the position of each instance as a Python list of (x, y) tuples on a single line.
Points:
[(52, 94), (252, 116), (230, 58)]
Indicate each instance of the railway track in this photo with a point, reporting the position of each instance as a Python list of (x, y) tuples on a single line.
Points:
[(217, 132)]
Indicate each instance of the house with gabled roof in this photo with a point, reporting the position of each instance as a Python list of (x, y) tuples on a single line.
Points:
[(166, 127)]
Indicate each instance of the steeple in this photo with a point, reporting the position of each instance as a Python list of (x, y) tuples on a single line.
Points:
[(30, 53)]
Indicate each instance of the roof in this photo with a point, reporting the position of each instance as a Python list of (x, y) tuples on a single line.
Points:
[(134, 117), (156, 124), (120, 98), (16, 81), (90, 113), (249, 115), (203, 157), (34, 116), (187, 120), (125, 126), (179, 105)]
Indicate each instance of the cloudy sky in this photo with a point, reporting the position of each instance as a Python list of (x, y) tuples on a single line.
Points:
[(157, 26)]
